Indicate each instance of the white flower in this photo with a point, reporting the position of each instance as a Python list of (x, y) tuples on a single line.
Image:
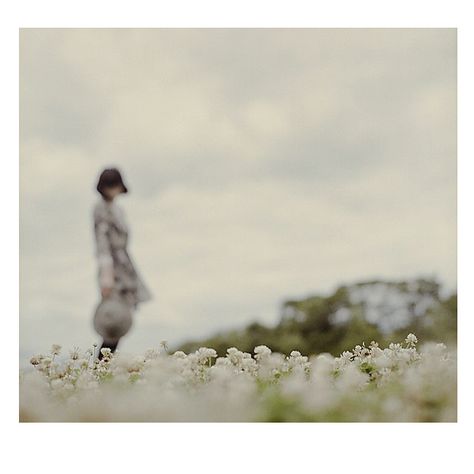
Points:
[(223, 361), (136, 364), (351, 379), (262, 351), (205, 354), (35, 360), (235, 355), (347, 355), (55, 349), (249, 365), (367, 384), (383, 361), (106, 352), (179, 355), (74, 354)]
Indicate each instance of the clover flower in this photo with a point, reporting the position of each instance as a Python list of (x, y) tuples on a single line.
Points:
[(106, 352), (347, 356), (205, 353), (262, 351), (234, 355), (164, 345), (179, 355), (36, 360), (362, 384), (223, 361), (55, 349), (74, 354)]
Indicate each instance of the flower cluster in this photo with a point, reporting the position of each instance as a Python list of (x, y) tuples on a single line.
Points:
[(397, 383)]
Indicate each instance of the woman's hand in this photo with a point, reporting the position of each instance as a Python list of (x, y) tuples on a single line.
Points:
[(105, 291)]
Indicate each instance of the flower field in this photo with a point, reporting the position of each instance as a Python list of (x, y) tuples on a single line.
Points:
[(399, 383)]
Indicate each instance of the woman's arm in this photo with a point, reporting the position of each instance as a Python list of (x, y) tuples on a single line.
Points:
[(103, 252)]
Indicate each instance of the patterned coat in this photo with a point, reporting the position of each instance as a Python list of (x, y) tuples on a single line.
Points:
[(115, 266)]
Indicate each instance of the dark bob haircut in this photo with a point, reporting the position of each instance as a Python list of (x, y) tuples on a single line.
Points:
[(109, 178)]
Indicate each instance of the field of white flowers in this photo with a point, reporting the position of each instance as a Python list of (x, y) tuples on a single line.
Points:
[(399, 383)]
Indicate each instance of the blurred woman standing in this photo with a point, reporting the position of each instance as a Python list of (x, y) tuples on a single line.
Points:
[(121, 287)]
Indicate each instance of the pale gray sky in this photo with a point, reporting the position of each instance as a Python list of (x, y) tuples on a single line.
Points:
[(262, 165)]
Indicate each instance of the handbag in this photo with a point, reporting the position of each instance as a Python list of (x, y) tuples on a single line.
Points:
[(113, 317)]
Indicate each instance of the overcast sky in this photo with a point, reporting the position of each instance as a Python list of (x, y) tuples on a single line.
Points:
[(262, 165)]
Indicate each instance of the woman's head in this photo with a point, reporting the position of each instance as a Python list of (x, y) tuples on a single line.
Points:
[(110, 183)]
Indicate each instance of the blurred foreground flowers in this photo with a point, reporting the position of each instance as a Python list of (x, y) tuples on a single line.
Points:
[(398, 383)]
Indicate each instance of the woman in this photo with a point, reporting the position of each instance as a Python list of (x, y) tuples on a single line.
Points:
[(117, 275)]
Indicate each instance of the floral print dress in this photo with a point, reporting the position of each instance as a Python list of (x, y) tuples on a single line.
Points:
[(116, 269)]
